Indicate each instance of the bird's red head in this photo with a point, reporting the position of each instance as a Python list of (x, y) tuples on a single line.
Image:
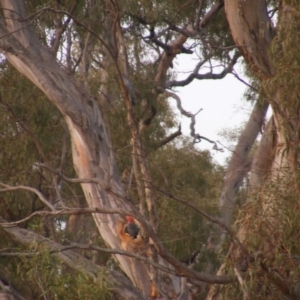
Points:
[(129, 219)]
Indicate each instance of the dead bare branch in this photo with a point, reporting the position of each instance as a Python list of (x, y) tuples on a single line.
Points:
[(194, 75), (197, 137)]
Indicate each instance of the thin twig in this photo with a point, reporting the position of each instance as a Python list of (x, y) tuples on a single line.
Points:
[(208, 217), (8, 188)]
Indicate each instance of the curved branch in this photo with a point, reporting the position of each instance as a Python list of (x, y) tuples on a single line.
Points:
[(195, 75), (177, 44), (68, 211), (197, 137), (169, 138), (8, 188)]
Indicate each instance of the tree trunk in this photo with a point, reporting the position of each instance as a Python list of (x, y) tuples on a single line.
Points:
[(92, 151), (252, 31), (275, 193), (239, 165)]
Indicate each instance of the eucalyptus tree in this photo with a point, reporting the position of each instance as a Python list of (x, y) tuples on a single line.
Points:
[(88, 71)]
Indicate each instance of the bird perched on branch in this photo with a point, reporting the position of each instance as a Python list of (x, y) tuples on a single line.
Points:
[(131, 227), (131, 235)]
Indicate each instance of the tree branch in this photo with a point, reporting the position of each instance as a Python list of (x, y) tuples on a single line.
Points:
[(121, 284), (197, 137), (177, 44), (8, 188), (208, 217), (61, 28), (68, 211), (195, 75), (169, 138)]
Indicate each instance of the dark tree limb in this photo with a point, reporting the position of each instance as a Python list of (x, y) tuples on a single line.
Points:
[(197, 137), (61, 28), (194, 75), (177, 44), (169, 138)]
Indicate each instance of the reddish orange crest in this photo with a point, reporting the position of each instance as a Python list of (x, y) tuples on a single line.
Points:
[(129, 219)]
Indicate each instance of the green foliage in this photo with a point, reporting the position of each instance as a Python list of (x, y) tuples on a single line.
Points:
[(190, 175), (32, 130), (41, 275), (283, 87), (272, 223)]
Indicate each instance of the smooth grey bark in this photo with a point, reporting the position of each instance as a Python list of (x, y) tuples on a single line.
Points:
[(263, 159), (239, 164), (252, 30)]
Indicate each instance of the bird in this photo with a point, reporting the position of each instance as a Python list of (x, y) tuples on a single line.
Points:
[(131, 227)]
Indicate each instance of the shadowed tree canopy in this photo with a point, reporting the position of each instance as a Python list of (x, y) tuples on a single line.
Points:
[(91, 146)]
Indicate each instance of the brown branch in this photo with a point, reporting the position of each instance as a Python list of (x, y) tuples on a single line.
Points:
[(169, 138), (60, 30), (180, 268), (8, 188), (68, 211), (93, 248), (117, 251), (243, 81), (148, 232)]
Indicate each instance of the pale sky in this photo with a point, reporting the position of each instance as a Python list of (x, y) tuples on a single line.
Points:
[(222, 103)]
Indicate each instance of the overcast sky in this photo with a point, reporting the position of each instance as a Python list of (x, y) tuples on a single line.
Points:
[(222, 102)]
